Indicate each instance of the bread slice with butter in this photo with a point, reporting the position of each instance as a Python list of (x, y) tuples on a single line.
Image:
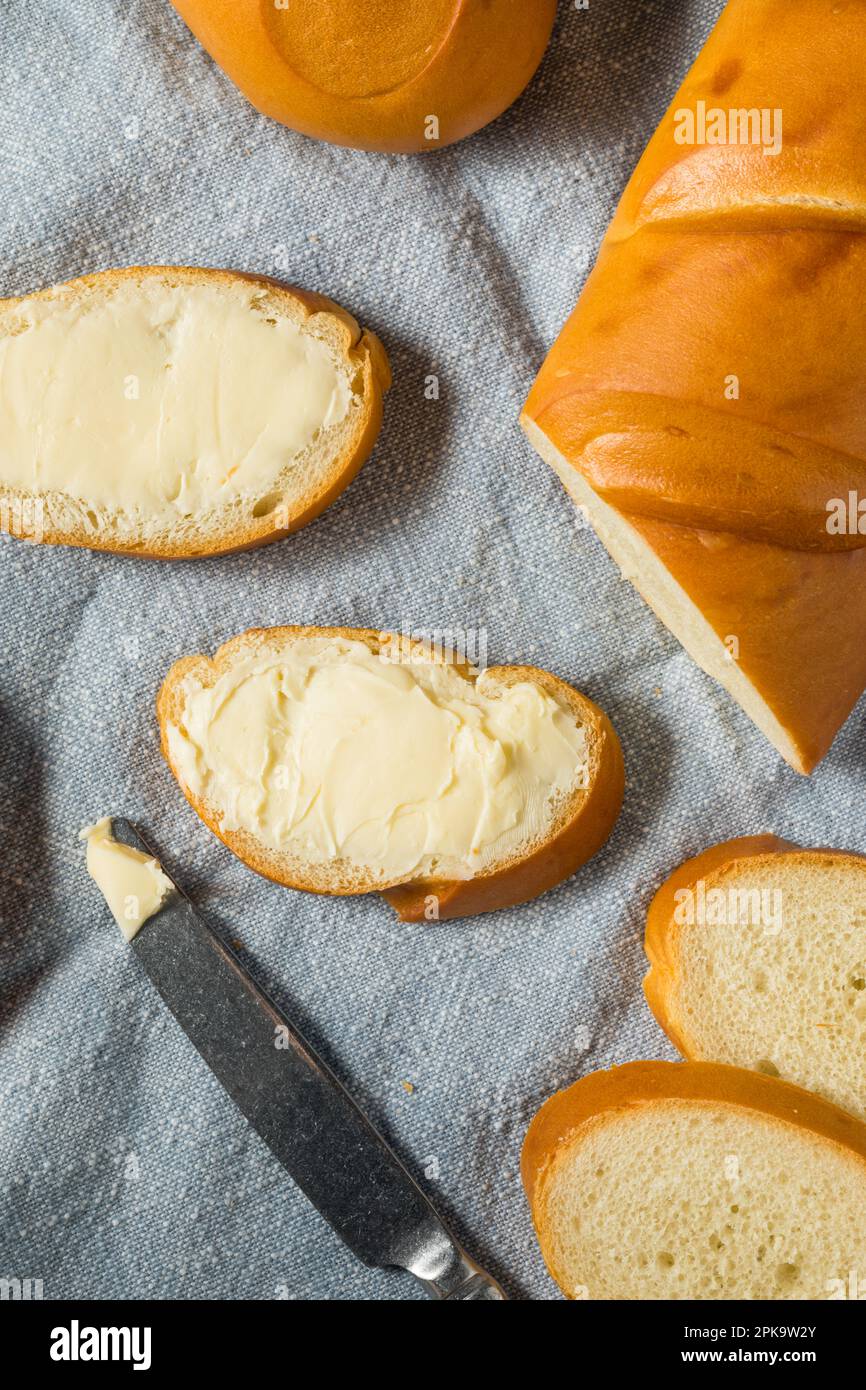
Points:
[(689, 1180), (172, 411), (757, 951), (342, 760)]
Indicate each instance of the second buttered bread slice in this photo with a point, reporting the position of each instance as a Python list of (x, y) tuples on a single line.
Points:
[(343, 760)]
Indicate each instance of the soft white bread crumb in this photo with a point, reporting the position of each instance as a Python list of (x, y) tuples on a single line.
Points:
[(660, 1180), (773, 975), (682, 1199)]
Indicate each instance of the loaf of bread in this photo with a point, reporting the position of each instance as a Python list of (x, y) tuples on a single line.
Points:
[(394, 76), (176, 412), (665, 1180), (757, 951), (341, 760), (705, 402)]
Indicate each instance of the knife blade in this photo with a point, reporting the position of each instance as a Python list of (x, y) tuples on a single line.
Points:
[(295, 1102)]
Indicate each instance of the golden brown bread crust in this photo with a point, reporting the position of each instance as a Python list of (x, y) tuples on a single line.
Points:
[(724, 263), (362, 349), (662, 929), (582, 829), (799, 55), (559, 1121), (372, 76), (797, 617)]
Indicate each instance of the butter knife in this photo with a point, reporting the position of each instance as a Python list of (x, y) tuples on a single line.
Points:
[(295, 1102)]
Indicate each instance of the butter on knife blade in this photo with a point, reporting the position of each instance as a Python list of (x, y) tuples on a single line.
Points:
[(133, 884)]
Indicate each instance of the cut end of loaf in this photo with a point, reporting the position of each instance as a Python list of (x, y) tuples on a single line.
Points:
[(801, 743)]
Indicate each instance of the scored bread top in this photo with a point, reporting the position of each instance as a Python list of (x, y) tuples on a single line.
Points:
[(669, 366), (345, 761), (692, 1180), (757, 953), (175, 411)]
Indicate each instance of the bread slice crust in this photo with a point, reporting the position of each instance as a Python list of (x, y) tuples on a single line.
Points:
[(359, 350), (578, 829), (600, 1098), (665, 933)]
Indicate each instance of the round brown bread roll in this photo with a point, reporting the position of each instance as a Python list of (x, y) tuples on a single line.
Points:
[(401, 77)]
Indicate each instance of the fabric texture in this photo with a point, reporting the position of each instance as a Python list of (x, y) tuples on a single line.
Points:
[(125, 1172)]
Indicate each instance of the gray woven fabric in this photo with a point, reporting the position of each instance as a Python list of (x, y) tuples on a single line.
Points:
[(125, 1171)]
